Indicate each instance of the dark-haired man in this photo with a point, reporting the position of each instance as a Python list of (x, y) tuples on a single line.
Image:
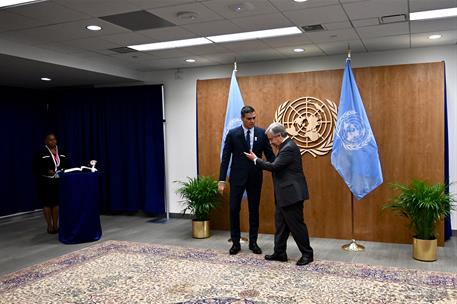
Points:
[(244, 175)]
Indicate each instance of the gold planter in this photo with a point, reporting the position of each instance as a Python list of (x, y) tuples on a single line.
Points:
[(200, 229), (424, 250)]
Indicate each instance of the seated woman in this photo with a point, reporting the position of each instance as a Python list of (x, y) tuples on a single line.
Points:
[(51, 161)]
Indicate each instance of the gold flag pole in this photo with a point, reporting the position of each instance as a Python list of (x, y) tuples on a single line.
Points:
[(352, 246)]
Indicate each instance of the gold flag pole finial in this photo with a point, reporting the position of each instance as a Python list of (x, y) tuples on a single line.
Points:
[(349, 52), (234, 66)]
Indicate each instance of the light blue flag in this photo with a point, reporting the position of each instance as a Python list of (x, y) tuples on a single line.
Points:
[(234, 105), (355, 153)]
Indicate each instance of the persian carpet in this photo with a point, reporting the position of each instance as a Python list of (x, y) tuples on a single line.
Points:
[(126, 272)]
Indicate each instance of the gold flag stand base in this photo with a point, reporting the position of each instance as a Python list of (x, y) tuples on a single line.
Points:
[(353, 246)]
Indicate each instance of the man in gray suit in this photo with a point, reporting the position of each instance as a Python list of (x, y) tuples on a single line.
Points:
[(290, 193)]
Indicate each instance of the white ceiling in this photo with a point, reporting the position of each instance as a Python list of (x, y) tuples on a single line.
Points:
[(55, 29)]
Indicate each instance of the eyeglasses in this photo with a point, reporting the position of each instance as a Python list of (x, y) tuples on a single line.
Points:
[(270, 138)]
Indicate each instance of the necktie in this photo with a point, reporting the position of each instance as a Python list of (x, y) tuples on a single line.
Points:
[(248, 138)]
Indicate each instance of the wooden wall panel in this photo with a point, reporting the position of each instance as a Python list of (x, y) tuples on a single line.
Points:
[(327, 211), (405, 107)]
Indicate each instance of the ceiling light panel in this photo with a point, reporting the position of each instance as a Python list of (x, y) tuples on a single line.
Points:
[(433, 37), (434, 14), (12, 3), (170, 44), (256, 34)]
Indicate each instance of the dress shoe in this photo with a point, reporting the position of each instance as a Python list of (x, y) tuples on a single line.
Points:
[(280, 257), (255, 248), (304, 261), (235, 249)]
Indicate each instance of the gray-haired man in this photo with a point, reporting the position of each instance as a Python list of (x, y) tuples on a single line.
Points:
[(291, 191)]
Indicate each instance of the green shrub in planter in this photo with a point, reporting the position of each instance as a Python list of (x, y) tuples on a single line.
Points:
[(423, 204), (200, 196)]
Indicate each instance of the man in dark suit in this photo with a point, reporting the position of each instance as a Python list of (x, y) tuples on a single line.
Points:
[(291, 191), (244, 175)]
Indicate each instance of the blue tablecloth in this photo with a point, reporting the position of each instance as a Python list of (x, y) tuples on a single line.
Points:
[(79, 212)]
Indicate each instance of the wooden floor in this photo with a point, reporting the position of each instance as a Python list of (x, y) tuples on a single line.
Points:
[(24, 242)]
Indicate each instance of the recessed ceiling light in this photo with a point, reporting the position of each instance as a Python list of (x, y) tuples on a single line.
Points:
[(93, 27), (300, 1), (256, 34), (46, 79), (433, 14), (241, 7), (169, 44), (298, 50), (190, 60), (11, 3), (432, 37)]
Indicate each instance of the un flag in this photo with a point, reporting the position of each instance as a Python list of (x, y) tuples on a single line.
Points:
[(355, 152), (232, 116)]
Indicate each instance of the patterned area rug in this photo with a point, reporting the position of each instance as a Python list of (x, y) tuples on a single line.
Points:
[(125, 272)]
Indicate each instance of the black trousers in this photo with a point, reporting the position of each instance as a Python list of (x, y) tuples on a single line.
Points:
[(253, 190), (289, 219)]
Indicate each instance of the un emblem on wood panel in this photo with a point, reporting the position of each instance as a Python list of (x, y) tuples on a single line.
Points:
[(310, 123)]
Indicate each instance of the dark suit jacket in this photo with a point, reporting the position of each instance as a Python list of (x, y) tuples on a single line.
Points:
[(288, 178), (241, 168), (45, 162)]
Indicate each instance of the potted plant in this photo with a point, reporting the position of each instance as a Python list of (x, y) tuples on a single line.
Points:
[(200, 196), (425, 205)]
